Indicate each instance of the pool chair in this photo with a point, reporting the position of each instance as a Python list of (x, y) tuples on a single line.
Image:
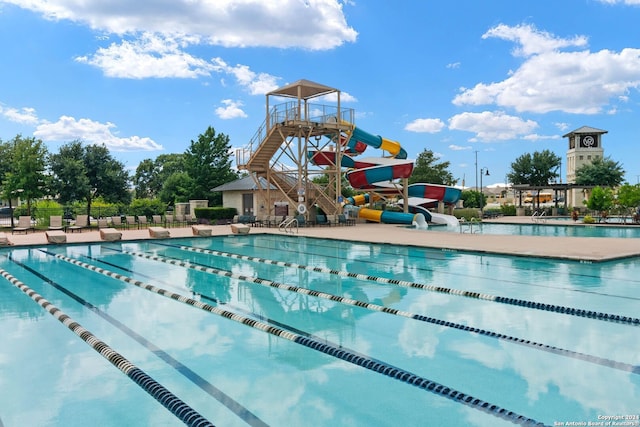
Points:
[(116, 222), (322, 220), (158, 232), (82, 222), (130, 221), (55, 222), (157, 220), (24, 224), (142, 221), (56, 236)]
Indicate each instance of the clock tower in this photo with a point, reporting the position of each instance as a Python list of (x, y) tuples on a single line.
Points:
[(585, 144)]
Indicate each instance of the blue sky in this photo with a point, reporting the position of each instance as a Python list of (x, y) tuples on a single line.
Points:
[(463, 78)]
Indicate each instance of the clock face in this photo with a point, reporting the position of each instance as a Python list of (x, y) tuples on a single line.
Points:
[(588, 141)]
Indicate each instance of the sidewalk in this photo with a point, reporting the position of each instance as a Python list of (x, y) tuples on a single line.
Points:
[(575, 248)]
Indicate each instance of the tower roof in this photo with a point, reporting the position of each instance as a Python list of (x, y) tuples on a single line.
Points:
[(585, 129), (303, 89)]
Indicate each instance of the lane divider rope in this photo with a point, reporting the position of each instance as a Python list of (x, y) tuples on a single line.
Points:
[(166, 398), (331, 350), (440, 289), (188, 373), (393, 311)]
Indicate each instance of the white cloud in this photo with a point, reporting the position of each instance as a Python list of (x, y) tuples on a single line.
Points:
[(580, 82), (492, 126), (454, 147), (23, 115), (532, 41), (69, 129), (425, 125), (230, 110), (256, 83), (149, 56), (312, 24), (627, 2)]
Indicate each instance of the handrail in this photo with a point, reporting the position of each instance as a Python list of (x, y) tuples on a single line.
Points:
[(469, 224), (538, 216), (286, 225)]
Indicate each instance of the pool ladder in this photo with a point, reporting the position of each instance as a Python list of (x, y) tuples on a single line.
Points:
[(539, 217), (467, 226), (286, 226)]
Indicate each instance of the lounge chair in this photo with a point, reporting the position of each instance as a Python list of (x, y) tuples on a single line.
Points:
[(24, 224), (55, 222), (322, 220), (177, 221), (116, 222), (56, 236), (157, 220), (142, 221), (102, 223), (130, 221), (343, 220), (158, 232), (82, 222)]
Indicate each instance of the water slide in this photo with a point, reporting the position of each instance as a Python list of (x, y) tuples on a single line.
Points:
[(378, 172)]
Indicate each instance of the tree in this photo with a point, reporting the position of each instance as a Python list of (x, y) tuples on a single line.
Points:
[(176, 188), (25, 173), (151, 175), (426, 169), (628, 198), (538, 169), (601, 200), (473, 199), (208, 163), (604, 172), (86, 172)]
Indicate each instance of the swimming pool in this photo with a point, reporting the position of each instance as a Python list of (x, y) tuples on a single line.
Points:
[(285, 330), (546, 229)]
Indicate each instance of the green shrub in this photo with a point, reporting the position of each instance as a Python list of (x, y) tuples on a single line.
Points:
[(215, 214), (43, 209), (588, 219), (147, 207), (466, 213), (508, 210)]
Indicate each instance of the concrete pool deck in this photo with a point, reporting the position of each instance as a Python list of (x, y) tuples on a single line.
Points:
[(592, 249)]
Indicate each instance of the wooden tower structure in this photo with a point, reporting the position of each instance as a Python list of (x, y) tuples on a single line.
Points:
[(301, 119)]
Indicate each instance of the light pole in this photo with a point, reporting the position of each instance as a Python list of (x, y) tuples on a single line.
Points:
[(483, 171), (476, 171)]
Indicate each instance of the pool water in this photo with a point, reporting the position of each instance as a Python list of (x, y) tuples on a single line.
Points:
[(546, 229), (295, 331)]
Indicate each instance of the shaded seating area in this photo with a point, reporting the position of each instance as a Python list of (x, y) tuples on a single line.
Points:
[(24, 225)]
